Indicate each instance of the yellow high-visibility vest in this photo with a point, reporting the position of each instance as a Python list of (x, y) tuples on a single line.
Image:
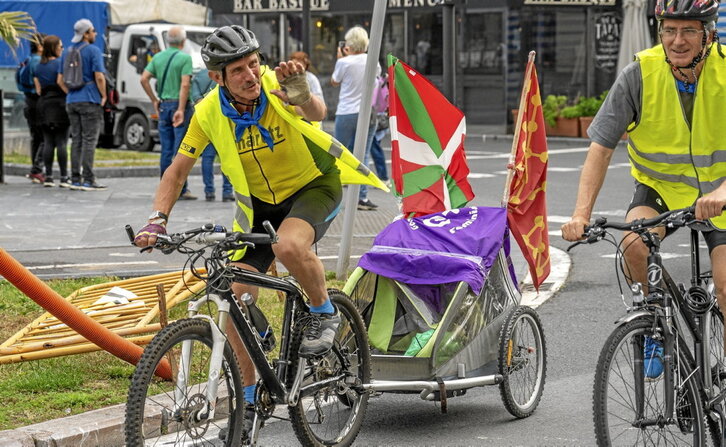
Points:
[(680, 163)]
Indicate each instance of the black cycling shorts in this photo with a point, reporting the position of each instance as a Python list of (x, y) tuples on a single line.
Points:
[(317, 203), (646, 196)]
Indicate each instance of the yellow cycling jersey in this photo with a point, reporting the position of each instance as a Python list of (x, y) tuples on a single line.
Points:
[(272, 175)]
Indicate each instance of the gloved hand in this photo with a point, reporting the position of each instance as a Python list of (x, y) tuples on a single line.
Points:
[(297, 89), (147, 235)]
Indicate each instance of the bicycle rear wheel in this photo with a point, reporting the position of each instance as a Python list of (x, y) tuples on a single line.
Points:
[(620, 388), (154, 413), (332, 414), (522, 361)]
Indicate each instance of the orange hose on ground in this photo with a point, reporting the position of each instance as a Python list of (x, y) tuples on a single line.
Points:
[(51, 301)]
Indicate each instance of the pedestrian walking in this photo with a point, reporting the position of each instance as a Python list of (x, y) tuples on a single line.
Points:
[(54, 120), (83, 78), (24, 78), (172, 69), (201, 85), (349, 74)]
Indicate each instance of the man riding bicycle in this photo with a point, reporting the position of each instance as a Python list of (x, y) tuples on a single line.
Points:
[(283, 169), (670, 100)]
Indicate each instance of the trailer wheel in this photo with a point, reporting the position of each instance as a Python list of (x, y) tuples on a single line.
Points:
[(136, 133), (522, 361)]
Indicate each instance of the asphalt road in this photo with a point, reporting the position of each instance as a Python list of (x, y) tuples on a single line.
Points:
[(576, 320)]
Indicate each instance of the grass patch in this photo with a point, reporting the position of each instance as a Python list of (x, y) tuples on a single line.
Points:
[(103, 158), (40, 390)]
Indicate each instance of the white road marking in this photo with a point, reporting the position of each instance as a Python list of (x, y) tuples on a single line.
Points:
[(477, 175), (559, 269), (90, 264), (663, 255), (123, 255)]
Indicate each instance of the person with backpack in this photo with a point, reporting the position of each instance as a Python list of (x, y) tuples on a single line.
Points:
[(349, 74), (201, 85), (83, 77), (24, 82), (172, 69), (54, 120), (380, 108)]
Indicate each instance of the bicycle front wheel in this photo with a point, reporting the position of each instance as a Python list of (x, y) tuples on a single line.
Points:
[(170, 413), (629, 409), (332, 413)]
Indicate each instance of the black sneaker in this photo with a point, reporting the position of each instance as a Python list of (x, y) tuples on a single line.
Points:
[(228, 199), (48, 182), (88, 186), (209, 197), (366, 205), (319, 334), (65, 182)]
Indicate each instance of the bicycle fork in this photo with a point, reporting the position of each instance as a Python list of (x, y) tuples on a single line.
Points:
[(215, 364)]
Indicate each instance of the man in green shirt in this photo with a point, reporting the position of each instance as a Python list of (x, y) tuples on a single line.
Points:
[(172, 69)]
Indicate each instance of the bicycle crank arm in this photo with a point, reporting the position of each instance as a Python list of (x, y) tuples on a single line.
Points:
[(314, 387), (294, 393), (659, 421)]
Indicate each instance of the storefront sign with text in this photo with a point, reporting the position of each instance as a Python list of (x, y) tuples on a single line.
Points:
[(278, 5), (571, 2)]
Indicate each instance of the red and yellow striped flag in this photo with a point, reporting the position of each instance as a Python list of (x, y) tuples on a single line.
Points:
[(527, 206)]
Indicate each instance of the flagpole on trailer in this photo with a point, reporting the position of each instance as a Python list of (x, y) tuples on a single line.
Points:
[(361, 135), (517, 128)]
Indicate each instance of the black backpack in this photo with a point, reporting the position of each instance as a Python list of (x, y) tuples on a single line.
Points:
[(24, 78), (73, 67)]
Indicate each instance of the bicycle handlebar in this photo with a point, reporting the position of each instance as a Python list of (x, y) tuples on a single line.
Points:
[(209, 234), (672, 219)]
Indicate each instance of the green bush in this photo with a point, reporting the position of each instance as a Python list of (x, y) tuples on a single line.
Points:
[(551, 108)]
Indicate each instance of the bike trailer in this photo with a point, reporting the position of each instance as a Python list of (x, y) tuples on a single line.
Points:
[(434, 292)]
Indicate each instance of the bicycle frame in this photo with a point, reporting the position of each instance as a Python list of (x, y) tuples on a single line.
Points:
[(228, 306), (663, 289)]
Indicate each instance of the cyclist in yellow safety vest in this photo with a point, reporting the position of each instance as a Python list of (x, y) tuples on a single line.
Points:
[(670, 100), (283, 169)]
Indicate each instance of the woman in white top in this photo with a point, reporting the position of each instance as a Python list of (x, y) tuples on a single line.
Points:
[(349, 74)]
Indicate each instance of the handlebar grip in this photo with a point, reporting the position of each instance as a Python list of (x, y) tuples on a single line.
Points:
[(130, 233), (255, 238)]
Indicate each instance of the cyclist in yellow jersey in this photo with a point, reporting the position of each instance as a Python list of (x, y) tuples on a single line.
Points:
[(283, 169), (670, 101)]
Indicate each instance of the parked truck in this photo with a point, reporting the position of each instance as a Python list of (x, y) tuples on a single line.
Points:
[(127, 45), (132, 121)]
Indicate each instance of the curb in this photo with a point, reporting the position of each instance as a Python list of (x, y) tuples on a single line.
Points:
[(107, 172), (104, 427)]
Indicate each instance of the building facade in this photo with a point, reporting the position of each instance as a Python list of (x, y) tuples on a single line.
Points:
[(576, 41)]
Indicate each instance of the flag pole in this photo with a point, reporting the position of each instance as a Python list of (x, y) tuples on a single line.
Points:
[(518, 127), (350, 198)]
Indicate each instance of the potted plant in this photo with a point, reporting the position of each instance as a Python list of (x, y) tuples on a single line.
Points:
[(587, 108), (560, 120)]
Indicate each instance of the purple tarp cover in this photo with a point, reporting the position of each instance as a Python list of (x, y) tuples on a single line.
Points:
[(454, 245)]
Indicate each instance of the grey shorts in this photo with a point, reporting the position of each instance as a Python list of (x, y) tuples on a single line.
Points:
[(646, 196)]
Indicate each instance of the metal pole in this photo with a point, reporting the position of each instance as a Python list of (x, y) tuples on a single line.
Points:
[(449, 49), (361, 134), (306, 27), (2, 138)]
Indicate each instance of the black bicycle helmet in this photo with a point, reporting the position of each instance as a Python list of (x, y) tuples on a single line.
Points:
[(226, 45), (703, 10)]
